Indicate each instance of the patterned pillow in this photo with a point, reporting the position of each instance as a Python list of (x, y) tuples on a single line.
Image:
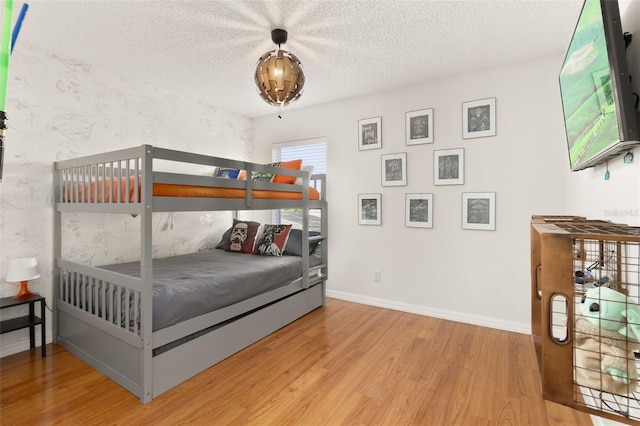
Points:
[(272, 177), (224, 240), (227, 173), (264, 176), (272, 240), (242, 236)]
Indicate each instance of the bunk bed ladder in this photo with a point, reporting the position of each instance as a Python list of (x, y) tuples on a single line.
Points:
[(146, 274), (324, 248), (305, 230), (57, 249)]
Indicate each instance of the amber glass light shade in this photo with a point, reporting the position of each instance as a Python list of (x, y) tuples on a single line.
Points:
[(279, 77)]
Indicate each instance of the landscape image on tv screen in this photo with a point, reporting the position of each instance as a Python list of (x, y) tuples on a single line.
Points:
[(587, 90)]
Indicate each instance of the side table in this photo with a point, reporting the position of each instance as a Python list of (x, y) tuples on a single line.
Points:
[(28, 321)]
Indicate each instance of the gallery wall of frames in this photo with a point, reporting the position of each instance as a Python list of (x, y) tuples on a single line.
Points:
[(477, 209)]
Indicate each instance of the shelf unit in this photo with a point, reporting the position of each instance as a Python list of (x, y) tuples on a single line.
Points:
[(29, 321)]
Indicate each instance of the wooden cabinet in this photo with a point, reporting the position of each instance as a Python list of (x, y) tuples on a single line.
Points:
[(569, 256)]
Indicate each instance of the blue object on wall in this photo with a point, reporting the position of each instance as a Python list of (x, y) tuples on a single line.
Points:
[(16, 29)]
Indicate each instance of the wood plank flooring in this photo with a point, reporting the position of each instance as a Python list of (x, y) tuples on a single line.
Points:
[(341, 364)]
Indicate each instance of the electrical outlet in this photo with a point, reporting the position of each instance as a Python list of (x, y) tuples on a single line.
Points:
[(376, 276)]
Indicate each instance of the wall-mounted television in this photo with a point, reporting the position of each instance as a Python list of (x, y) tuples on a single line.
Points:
[(600, 113)]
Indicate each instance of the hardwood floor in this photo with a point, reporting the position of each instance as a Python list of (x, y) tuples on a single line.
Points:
[(342, 364)]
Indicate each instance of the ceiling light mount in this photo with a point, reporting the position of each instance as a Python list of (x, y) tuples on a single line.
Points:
[(279, 76), (279, 36)]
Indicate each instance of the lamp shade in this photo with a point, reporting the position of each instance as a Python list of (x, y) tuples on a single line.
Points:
[(279, 77), (22, 269)]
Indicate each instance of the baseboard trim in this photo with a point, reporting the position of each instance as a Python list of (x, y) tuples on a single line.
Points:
[(22, 344), (19, 346), (483, 321)]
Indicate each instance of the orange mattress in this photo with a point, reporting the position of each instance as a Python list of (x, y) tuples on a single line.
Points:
[(83, 193)]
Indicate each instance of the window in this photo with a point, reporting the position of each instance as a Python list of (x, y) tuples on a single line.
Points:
[(313, 153)]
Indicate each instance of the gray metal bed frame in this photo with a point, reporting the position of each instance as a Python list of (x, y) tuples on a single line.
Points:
[(105, 318)]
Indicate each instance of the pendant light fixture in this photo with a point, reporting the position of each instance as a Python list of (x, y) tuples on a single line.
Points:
[(279, 76)]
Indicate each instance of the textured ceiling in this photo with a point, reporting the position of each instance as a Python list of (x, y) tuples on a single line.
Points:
[(209, 49)]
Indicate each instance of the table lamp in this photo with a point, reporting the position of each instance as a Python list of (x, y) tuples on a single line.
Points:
[(22, 270)]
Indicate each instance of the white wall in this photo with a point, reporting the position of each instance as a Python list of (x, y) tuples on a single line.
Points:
[(61, 108), (616, 199), (479, 277)]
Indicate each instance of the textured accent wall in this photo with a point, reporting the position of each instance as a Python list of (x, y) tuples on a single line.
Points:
[(60, 108)]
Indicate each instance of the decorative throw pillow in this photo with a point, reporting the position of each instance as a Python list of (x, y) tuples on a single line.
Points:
[(224, 240), (304, 169), (293, 165), (272, 240), (242, 236), (227, 173), (264, 176), (272, 177), (294, 244)]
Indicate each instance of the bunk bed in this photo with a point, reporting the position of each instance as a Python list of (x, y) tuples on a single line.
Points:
[(105, 314)]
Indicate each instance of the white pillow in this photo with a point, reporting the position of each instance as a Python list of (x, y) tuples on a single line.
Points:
[(304, 169)]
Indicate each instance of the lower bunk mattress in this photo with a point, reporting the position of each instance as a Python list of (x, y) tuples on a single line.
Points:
[(189, 285)]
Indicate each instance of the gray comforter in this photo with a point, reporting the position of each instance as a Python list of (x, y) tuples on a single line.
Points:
[(190, 285)]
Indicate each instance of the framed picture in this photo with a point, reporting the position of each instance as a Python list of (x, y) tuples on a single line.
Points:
[(479, 118), (479, 210), (419, 210), (369, 209), (394, 169), (419, 127), (370, 133), (448, 167)]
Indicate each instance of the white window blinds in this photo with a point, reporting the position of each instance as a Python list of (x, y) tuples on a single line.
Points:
[(312, 152)]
